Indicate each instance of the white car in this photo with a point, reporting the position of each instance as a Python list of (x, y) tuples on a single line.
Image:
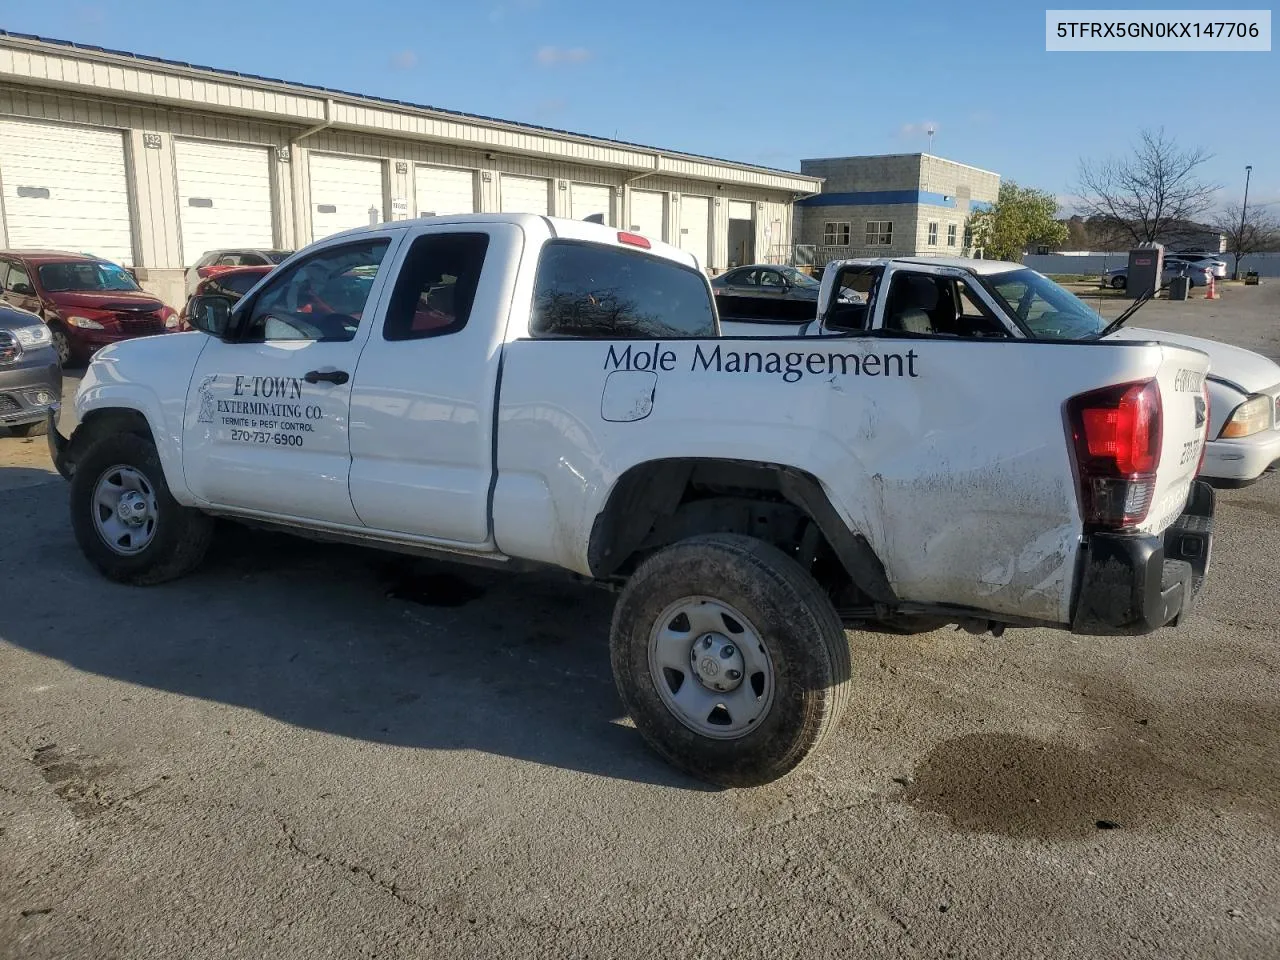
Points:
[(1215, 266), (990, 298), (1197, 273), (516, 390), (1244, 408)]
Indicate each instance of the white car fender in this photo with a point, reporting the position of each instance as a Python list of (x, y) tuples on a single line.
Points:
[(151, 378)]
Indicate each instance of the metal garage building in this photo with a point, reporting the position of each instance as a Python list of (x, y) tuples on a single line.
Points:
[(151, 163)]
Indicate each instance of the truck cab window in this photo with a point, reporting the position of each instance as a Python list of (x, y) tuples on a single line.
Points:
[(974, 318), (855, 292), (321, 298), (608, 293), (939, 306), (437, 286)]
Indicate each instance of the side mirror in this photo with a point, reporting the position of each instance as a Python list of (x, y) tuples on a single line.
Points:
[(210, 314), (22, 289)]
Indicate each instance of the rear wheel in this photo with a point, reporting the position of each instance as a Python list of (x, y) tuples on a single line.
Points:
[(1119, 283), (730, 659), (126, 521)]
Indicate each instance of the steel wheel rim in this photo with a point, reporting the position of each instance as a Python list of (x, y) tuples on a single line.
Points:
[(696, 643), (124, 509)]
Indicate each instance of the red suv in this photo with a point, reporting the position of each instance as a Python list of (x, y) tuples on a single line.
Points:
[(86, 302)]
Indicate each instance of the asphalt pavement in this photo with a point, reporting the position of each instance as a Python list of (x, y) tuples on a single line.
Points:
[(311, 751)]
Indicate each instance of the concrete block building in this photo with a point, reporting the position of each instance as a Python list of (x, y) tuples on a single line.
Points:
[(910, 204), (150, 163)]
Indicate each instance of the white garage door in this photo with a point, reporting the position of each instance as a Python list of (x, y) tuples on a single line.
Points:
[(65, 189), (442, 191), (526, 195), (224, 197), (346, 192), (646, 212), (695, 235), (586, 199)]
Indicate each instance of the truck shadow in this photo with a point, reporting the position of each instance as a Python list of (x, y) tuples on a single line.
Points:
[(342, 640)]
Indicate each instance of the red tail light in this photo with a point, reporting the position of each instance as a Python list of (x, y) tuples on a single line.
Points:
[(634, 239), (1116, 436)]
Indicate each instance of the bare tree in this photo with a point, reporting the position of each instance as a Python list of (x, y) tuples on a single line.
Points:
[(1152, 195), (1256, 231)]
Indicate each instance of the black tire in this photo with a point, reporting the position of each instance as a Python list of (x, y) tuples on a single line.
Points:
[(798, 625), (36, 429), (62, 346), (1119, 283), (181, 537)]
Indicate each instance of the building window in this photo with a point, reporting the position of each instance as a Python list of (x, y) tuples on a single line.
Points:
[(835, 234), (933, 234), (951, 234), (879, 233)]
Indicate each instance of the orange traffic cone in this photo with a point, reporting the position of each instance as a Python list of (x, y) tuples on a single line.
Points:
[(1213, 289)]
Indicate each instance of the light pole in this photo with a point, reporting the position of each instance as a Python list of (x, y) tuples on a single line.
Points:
[(1244, 210)]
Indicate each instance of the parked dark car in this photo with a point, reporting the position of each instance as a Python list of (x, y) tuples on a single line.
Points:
[(764, 290), (232, 283), (30, 375), (219, 261), (86, 302)]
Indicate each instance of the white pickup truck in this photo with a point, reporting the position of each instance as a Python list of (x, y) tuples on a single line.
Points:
[(959, 297), (515, 390)]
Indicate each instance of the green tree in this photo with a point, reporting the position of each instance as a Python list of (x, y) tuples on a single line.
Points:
[(1021, 217)]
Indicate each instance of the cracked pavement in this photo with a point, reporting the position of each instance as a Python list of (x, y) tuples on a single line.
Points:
[(311, 751)]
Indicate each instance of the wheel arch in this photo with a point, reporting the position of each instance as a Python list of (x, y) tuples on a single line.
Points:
[(658, 502), (120, 417)]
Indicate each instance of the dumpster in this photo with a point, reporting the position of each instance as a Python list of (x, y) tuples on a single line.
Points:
[(1178, 287)]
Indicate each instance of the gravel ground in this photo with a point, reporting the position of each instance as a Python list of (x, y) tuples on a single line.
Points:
[(310, 752)]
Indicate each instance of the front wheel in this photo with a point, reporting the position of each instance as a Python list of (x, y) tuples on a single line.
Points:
[(126, 520), (61, 345), (1119, 283), (730, 659)]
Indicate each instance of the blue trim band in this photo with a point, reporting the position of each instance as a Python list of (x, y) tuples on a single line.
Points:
[(867, 198)]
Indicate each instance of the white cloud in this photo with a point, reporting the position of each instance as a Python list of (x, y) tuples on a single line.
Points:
[(552, 56), (404, 60), (499, 13), (913, 131)]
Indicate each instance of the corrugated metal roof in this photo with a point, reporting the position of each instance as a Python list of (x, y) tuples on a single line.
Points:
[(333, 92)]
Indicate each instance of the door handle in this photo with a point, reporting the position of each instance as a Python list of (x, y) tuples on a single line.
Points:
[(327, 376)]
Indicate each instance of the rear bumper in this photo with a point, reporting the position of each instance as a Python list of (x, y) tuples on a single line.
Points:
[(1132, 585)]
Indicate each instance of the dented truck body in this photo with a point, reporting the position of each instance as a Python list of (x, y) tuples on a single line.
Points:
[(573, 402), (950, 458)]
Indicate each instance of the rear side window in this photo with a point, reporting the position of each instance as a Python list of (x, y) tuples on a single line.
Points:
[(236, 284), (605, 293), (437, 286)]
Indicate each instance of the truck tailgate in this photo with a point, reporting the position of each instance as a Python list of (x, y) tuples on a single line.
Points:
[(1185, 424)]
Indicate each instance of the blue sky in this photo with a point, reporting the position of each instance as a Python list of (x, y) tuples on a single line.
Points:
[(746, 81)]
